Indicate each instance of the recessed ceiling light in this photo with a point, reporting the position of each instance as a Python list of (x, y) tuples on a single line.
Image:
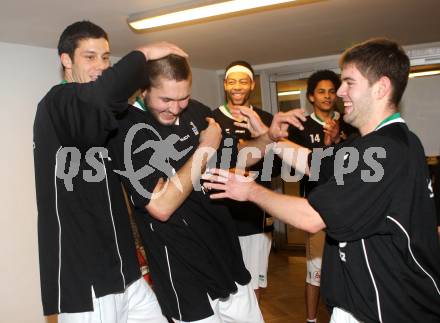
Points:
[(289, 93), (425, 73), (217, 9)]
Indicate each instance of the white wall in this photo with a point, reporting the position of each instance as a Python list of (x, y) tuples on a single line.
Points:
[(420, 108), (206, 87), (26, 75)]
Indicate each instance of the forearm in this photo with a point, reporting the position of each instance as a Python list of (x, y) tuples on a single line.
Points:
[(259, 144), (293, 210), (178, 187), (83, 113), (294, 155)]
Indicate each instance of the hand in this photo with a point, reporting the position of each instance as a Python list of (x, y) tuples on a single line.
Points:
[(161, 49), (212, 135), (233, 186), (252, 122), (282, 120), (331, 132)]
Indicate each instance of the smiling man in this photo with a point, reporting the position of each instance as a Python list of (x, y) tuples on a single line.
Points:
[(381, 253), (193, 249), (254, 225), (88, 266)]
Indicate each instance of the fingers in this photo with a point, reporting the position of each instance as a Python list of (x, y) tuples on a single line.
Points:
[(248, 112), (300, 113), (292, 117), (244, 125), (217, 196), (213, 178), (178, 51), (161, 49), (210, 120), (218, 172), (214, 186)]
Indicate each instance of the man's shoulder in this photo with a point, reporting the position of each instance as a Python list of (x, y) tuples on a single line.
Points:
[(194, 104), (396, 133), (54, 90)]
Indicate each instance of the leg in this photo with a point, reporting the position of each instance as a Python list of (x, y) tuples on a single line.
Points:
[(341, 316), (312, 301), (314, 251), (241, 307), (105, 309), (143, 306), (211, 319), (255, 249)]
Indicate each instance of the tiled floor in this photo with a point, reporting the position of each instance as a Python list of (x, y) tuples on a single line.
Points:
[(283, 299)]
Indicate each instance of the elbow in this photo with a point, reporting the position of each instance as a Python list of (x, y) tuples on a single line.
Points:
[(158, 212), (316, 226)]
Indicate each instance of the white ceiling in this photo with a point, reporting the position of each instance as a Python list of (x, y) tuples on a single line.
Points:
[(319, 28)]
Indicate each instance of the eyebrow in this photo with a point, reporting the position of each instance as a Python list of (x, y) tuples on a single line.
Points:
[(94, 52), (172, 99)]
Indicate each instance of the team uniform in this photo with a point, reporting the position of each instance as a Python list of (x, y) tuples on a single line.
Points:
[(381, 254), (194, 257), (313, 137), (254, 225), (86, 247)]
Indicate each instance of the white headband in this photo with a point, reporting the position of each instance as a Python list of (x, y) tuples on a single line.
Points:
[(239, 69)]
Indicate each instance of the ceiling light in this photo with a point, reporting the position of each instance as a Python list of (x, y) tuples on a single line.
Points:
[(207, 11), (426, 73), (289, 93)]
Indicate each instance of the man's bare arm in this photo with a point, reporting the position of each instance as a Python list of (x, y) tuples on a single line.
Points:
[(164, 204), (293, 210)]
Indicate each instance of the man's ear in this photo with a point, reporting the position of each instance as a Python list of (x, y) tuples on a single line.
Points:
[(66, 60), (252, 85), (311, 98), (383, 87)]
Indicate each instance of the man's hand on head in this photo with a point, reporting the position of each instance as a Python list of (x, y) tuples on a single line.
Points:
[(161, 49)]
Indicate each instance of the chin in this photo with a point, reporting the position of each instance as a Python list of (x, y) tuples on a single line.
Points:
[(167, 122)]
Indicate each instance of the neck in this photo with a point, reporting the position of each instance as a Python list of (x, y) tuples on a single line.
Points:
[(68, 77), (323, 115), (236, 108), (375, 120)]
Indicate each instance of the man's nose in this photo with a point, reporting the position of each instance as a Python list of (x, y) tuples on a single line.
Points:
[(102, 64)]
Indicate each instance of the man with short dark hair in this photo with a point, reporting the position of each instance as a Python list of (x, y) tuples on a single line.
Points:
[(381, 254), (88, 265), (192, 245)]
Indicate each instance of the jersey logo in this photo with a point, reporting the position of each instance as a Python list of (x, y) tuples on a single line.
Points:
[(194, 128), (342, 253), (184, 138), (431, 191)]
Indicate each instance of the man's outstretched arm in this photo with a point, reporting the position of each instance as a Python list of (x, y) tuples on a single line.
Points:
[(293, 210)]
